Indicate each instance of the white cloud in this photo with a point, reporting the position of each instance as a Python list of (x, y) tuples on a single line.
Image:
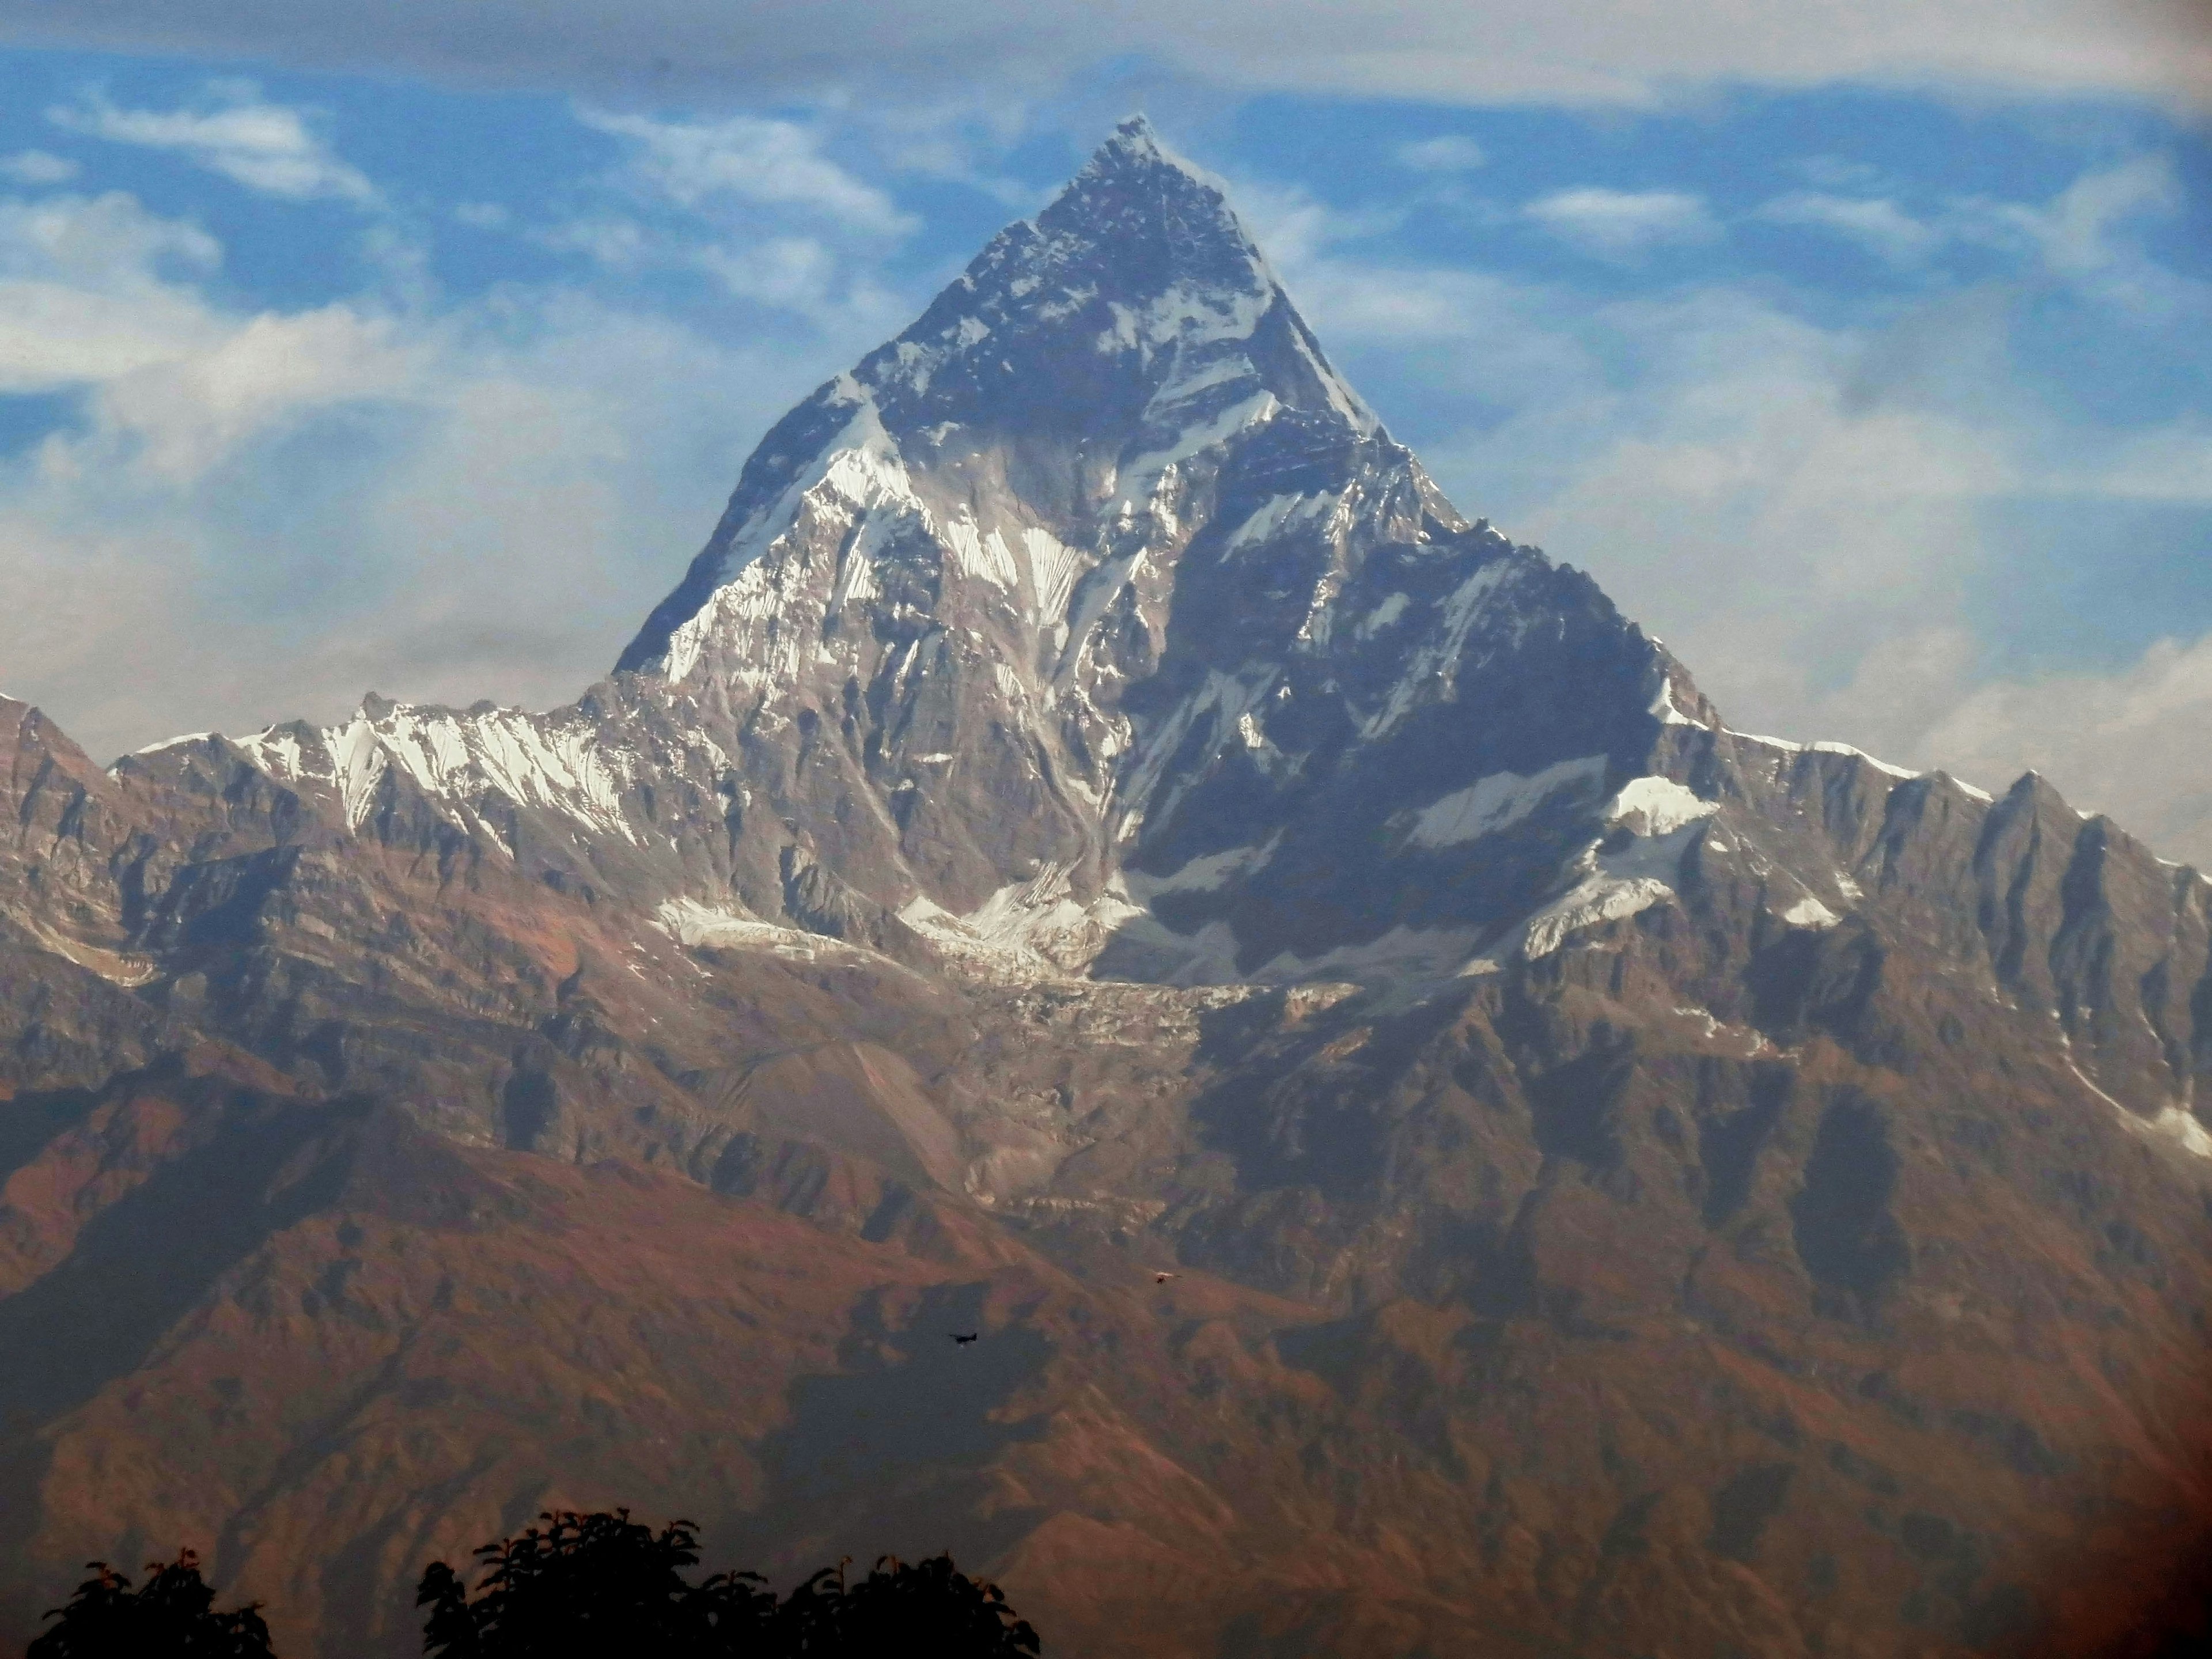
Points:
[(267, 148), (107, 242), (767, 163), (264, 513), (795, 271), (1450, 153), (1812, 557), (754, 205), (1877, 224), (2108, 740), (2087, 236), (1511, 51), (185, 415), (1617, 224), (1809, 515), (2084, 233), (91, 301), (83, 299), (2075, 229), (37, 167), (614, 241), (2169, 462)]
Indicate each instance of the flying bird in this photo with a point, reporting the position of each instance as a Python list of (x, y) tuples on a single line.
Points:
[(1162, 1279), (961, 1341)]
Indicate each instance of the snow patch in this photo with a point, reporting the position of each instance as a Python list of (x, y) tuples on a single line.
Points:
[(1600, 897), (358, 766), (1810, 912), (1033, 929), (1204, 873), (2177, 1124), (1053, 568), (1428, 669), (1609, 886), (1382, 616), (860, 474), (1657, 807), (690, 923), (1825, 748), (1143, 475), (277, 752), (1497, 801), (177, 742), (2180, 1125), (536, 761), (984, 556), (1662, 704), (1272, 516)]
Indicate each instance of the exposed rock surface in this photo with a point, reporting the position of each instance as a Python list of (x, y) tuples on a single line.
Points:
[(1094, 806)]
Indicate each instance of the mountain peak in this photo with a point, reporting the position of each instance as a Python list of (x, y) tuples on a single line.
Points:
[(1134, 321), (1135, 145), (1155, 217), (1137, 278), (1137, 132)]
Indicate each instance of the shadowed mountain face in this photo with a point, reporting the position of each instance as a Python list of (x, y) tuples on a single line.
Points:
[(1095, 807)]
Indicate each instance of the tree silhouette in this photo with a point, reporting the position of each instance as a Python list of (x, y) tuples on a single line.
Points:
[(171, 1616), (602, 1586), (591, 1584), (927, 1607)]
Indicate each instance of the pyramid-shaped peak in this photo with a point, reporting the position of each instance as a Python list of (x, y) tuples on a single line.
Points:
[(1158, 217), (1136, 144), (1137, 282), (1137, 132), (1134, 319)]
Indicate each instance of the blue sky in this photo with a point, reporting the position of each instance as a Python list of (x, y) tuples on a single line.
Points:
[(1877, 386)]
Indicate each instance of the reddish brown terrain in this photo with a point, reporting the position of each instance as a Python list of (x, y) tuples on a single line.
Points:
[(1633, 1189)]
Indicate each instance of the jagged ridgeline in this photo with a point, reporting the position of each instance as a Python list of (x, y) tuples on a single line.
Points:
[(1439, 1143)]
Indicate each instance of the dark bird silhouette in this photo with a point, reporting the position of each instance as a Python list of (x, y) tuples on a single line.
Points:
[(963, 1341)]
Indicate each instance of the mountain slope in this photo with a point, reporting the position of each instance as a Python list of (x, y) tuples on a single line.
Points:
[(1092, 806)]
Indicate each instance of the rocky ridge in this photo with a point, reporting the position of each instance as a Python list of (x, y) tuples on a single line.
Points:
[(1093, 805)]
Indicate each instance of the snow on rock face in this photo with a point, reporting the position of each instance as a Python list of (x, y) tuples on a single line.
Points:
[(1204, 873), (1810, 912), (1657, 807), (1613, 885), (546, 762), (1031, 929), (1500, 801), (720, 927), (1137, 303), (1600, 897), (2180, 1124)]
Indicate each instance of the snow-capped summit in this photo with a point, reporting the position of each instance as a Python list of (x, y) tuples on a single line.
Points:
[(1093, 555), (1133, 323), (1141, 264)]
